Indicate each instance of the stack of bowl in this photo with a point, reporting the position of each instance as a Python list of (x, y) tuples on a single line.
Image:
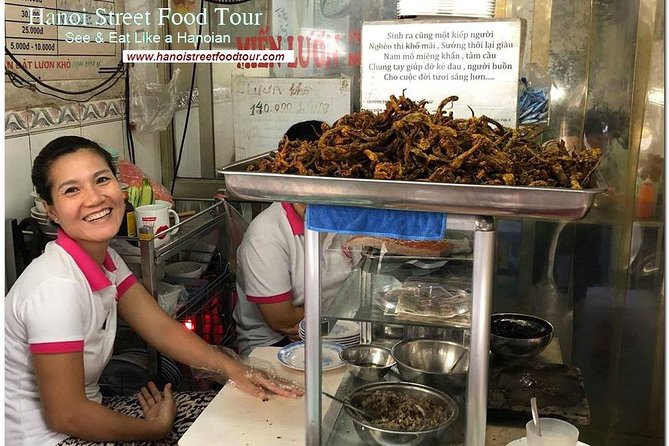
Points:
[(38, 212), (39, 203)]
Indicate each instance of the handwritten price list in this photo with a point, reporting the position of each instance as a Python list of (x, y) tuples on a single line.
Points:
[(53, 50), (298, 107), (264, 108)]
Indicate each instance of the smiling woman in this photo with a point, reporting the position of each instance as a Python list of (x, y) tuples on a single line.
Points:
[(85, 202), (61, 316)]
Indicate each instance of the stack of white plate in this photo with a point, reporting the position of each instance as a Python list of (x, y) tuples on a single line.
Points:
[(42, 219), (455, 8), (346, 333)]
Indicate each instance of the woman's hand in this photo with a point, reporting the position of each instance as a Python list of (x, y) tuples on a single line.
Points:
[(292, 333), (261, 384), (157, 407)]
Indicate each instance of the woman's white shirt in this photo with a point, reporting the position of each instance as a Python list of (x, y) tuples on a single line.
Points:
[(63, 302)]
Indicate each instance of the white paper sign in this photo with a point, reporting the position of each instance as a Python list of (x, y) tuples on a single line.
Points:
[(476, 61), (264, 108)]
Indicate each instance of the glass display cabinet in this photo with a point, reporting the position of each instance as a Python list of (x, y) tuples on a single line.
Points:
[(598, 280), (441, 197)]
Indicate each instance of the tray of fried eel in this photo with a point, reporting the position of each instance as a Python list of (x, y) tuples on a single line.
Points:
[(558, 388), (407, 157)]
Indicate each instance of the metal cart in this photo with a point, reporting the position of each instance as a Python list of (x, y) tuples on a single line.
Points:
[(469, 207)]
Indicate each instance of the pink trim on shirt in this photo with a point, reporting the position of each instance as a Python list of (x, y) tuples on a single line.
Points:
[(296, 222), (270, 299), (123, 286), (94, 274), (108, 263), (57, 347)]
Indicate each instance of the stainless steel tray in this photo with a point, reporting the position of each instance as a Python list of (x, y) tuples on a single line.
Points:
[(520, 201)]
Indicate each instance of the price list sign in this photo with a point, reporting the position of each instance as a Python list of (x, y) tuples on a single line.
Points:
[(61, 39), (264, 108)]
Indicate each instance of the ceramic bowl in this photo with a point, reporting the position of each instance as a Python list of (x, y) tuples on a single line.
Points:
[(184, 270)]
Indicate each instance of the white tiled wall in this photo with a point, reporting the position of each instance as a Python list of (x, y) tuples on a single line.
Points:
[(190, 160), (21, 151), (109, 134), (147, 154), (223, 134), (17, 178), (39, 140), (223, 139)]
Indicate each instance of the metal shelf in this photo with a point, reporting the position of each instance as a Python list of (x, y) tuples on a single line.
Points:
[(201, 296), (355, 299), (209, 216)]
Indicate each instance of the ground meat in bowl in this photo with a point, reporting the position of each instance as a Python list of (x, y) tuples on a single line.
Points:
[(401, 412)]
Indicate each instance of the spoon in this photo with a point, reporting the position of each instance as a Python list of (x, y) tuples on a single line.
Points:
[(535, 414), (347, 404), (457, 362)]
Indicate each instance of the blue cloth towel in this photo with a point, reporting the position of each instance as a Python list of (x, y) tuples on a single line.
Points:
[(408, 225)]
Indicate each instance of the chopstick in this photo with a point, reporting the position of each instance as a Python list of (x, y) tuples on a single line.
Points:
[(347, 404)]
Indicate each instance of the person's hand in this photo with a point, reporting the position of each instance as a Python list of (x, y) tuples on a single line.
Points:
[(292, 333), (158, 407), (294, 338), (261, 384)]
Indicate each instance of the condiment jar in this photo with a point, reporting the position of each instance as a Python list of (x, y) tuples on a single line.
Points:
[(128, 225)]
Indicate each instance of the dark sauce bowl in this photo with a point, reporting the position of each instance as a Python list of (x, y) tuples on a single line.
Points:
[(519, 336)]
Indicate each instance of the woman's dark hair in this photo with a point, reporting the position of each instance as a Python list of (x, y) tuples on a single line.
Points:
[(305, 131), (54, 150)]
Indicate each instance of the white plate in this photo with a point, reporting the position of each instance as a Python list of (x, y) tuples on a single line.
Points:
[(292, 355), (344, 329), (344, 342), (335, 338), (523, 442), (36, 212), (341, 330)]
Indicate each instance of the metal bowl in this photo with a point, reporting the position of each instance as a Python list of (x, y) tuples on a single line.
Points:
[(367, 362), (431, 332), (517, 336), (387, 331), (435, 363), (370, 434)]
